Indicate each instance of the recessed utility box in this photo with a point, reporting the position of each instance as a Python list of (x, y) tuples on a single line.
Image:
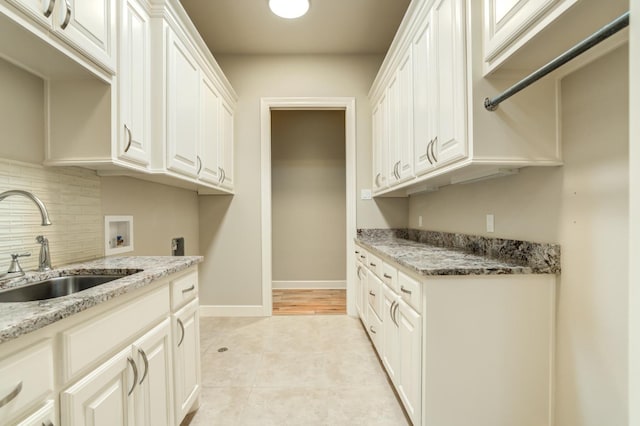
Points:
[(118, 234)]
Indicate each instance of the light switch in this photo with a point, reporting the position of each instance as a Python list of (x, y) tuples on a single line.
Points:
[(490, 223), (365, 194)]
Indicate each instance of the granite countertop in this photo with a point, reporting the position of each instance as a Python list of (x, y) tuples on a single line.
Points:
[(19, 318), (428, 253)]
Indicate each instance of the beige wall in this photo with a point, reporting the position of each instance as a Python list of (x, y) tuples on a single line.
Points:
[(308, 195), (583, 206), (159, 212), (230, 237), (21, 114)]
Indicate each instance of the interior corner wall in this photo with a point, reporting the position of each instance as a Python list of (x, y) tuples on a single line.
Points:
[(308, 192), (230, 227), (583, 206)]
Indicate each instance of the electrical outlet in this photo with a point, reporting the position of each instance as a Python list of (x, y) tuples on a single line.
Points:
[(490, 223), (419, 220), (365, 194)]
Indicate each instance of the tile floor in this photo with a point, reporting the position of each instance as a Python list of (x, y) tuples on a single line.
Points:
[(292, 370)]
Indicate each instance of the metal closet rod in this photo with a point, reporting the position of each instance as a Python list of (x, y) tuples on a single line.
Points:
[(586, 44)]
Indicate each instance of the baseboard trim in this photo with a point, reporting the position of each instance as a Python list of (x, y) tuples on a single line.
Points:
[(292, 285), (231, 311)]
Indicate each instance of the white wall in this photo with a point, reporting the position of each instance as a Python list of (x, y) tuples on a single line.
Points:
[(583, 206), (308, 196), (230, 227)]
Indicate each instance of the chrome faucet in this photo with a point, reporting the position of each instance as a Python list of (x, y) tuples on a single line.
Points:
[(36, 200), (45, 257)]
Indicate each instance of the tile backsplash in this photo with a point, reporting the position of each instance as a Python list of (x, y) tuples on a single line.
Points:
[(73, 199)]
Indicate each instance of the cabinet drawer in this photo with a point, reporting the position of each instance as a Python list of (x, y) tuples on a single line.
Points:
[(184, 289), (375, 264), (374, 328), (361, 255), (411, 291), (374, 293), (390, 276), (26, 378), (84, 344)]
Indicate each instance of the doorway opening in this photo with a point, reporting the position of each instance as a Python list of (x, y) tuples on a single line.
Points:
[(308, 204)]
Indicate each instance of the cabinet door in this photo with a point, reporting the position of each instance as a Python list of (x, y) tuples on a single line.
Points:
[(152, 353), (134, 82), (39, 10), (506, 20), (380, 132), (392, 159), (101, 398), (448, 20), (90, 26), (390, 348), (404, 149), (183, 81), (186, 349), (227, 138), (409, 376), (424, 99), (209, 167), (360, 282)]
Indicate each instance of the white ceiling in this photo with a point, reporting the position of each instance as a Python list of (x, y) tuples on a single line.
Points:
[(330, 26)]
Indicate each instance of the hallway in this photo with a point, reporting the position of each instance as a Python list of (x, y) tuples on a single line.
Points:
[(292, 370)]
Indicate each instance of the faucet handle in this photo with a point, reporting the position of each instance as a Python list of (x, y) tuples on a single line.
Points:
[(15, 265), (16, 256)]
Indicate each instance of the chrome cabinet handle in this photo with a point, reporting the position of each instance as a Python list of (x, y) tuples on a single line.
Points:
[(433, 153), (394, 316), (397, 170), (67, 16), (129, 137), (429, 151), (372, 330), (378, 179), (187, 290), (404, 290), (358, 272), (135, 374), (372, 264), (386, 276), (357, 252), (182, 330), (372, 293), (48, 423), (224, 175), (49, 10), (11, 395), (199, 164), (146, 365), (362, 256), (219, 174), (393, 304)]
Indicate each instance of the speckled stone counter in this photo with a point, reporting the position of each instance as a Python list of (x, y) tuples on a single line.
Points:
[(440, 253), (19, 318)]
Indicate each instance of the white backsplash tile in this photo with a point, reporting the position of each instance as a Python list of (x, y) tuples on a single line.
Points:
[(73, 199)]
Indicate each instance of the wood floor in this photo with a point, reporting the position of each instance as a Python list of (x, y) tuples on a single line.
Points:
[(309, 302)]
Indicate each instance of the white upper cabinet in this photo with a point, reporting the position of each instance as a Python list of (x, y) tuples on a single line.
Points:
[(90, 26), (227, 145), (526, 34), (183, 85), (134, 134), (433, 82), (209, 166), (450, 141)]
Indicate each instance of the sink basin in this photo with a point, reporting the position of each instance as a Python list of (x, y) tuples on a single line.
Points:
[(55, 287)]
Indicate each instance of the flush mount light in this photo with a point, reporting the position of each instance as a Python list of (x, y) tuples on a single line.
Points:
[(289, 9)]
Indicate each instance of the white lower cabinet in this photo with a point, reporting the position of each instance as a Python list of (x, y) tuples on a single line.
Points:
[(102, 397), (153, 403), (409, 374), (133, 387), (186, 345)]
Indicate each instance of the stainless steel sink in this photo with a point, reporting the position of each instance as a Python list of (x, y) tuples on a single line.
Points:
[(55, 287)]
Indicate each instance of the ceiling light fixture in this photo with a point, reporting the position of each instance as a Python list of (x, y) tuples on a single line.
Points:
[(289, 9)]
